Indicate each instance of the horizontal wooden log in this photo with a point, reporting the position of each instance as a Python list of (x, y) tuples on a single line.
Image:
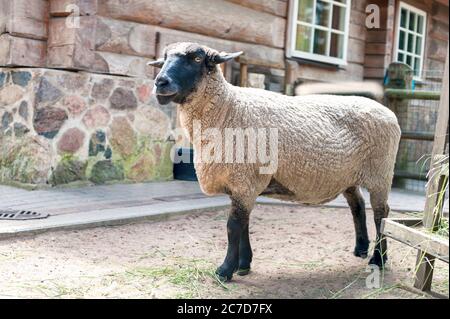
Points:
[(307, 72), (258, 52), (412, 95), (420, 136), (125, 37), (70, 45), (119, 64), (63, 8), (416, 238), (359, 5), (4, 14), (375, 48), (438, 30), (376, 36), (357, 32), (216, 18), (356, 51), (16, 51), (275, 7), (374, 73), (24, 18), (375, 60), (436, 49)]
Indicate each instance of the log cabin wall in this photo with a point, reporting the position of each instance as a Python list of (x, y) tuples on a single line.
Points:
[(117, 37), (380, 42)]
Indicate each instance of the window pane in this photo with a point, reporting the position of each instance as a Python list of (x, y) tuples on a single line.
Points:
[(305, 10), (400, 57), (417, 67), (418, 45), (303, 41), (401, 40), (419, 24), (337, 45), (410, 43), (338, 18), (320, 42), (412, 21), (322, 13), (409, 60), (403, 17)]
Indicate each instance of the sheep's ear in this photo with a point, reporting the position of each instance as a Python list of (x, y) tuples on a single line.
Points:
[(157, 64), (224, 57)]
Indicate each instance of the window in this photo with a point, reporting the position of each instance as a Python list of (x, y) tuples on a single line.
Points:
[(319, 30), (410, 41)]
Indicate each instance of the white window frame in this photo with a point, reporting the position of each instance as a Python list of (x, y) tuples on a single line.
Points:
[(417, 11), (292, 34)]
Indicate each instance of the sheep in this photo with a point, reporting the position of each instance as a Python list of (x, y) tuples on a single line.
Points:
[(327, 145)]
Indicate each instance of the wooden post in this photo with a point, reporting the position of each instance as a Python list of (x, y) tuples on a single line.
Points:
[(433, 209), (244, 74), (289, 78), (399, 76)]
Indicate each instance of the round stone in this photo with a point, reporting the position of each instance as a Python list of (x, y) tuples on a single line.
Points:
[(71, 141), (74, 104), (123, 99), (102, 89), (152, 122), (96, 117), (48, 121), (144, 91), (122, 137)]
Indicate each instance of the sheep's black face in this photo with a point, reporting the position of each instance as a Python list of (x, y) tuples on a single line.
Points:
[(184, 66), (180, 75)]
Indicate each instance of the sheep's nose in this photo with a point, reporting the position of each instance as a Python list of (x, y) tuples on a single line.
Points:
[(161, 81)]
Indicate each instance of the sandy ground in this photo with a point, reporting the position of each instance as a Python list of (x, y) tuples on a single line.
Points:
[(299, 252)]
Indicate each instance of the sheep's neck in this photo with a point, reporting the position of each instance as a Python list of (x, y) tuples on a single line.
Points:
[(210, 108)]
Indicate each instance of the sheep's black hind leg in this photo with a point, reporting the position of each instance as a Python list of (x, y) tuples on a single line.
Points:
[(357, 206), (380, 210), (236, 226)]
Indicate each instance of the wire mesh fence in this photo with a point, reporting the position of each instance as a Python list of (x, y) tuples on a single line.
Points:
[(418, 116)]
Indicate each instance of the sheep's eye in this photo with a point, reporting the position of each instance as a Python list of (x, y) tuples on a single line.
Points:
[(198, 59)]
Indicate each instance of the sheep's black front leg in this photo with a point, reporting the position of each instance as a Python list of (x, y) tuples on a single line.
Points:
[(237, 228), (245, 253)]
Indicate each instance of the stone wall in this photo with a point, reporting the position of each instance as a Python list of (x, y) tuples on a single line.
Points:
[(59, 127)]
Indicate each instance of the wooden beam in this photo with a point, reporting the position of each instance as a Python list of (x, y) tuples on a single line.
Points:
[(16, 51), (412, 94), (217, 18), (252, 51), (257, 62), (420, 136), (432, 244), (121, 64), (243, 75), (23, 18), (125, 37), (63, 8), (71, 46), (440, 138), (275, 7), (433, 208)]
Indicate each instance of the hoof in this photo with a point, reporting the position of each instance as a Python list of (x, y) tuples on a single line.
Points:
[(222, 275), (243, 271), (223, 278), (360, 253), (378, 260)]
